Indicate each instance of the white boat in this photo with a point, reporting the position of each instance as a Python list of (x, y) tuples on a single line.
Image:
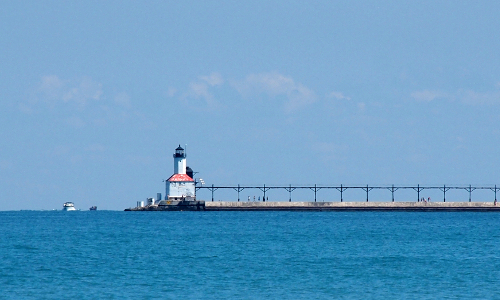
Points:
[(68, 206)]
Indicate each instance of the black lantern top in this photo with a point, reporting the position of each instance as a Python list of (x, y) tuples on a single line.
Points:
[(179, 152)]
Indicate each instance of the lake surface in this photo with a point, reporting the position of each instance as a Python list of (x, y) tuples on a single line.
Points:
[(249, 255)]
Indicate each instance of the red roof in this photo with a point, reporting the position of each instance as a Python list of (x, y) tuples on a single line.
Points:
[(180, 177)]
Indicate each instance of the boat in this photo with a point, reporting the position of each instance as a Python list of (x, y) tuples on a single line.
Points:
[(68, 206), (93, 208)]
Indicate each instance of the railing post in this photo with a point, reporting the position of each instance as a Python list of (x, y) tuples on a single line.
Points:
[(418, 192), (444, 193), (314, 192), (341, 192), (290, 191), (264, 199), (367, 193), (393, 193), (470, 193)]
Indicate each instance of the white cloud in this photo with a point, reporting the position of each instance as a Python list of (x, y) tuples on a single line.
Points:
[(338, 96), (275, 84), (213, 79), (427, 96), (81, 100), (83, 91), (199, 89), (171, 92), (468, 97), (202, 90), (52, 91), (475, 98), (123, 99), (51, 86)]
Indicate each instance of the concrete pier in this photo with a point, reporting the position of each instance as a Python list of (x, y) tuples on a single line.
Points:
[(319, 206), (343, 206)]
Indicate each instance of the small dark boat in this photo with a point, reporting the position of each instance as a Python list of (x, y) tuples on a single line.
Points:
[(93, 208)]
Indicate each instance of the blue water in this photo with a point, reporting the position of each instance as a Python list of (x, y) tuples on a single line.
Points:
[(249, 255)]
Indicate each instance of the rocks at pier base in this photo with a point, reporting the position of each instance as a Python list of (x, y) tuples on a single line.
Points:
[(169, 205)]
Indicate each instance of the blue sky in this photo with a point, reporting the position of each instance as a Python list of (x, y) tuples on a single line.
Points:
[(95, 96)]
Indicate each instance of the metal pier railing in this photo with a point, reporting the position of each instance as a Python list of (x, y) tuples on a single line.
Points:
[(342, 188)]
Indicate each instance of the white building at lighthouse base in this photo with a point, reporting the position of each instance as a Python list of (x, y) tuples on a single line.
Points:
[(180, 187)]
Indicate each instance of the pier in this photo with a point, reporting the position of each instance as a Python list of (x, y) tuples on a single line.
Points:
[(319, 206), (419, 204), (351, 206)]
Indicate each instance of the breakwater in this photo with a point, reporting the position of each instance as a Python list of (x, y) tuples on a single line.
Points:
[(320, 206), (343, 206)]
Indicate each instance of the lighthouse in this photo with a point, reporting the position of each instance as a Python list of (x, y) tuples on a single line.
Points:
[(180, 186)]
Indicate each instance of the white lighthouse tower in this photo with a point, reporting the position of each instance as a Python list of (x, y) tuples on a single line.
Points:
[(179, 161), (180, 186)]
